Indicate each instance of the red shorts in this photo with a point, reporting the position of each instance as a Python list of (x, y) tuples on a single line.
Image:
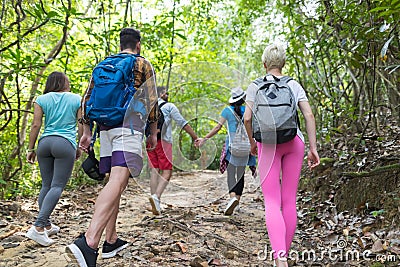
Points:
[(161, 157)]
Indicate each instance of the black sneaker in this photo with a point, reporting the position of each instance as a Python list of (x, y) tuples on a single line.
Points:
[(110, 250), (84, 255)]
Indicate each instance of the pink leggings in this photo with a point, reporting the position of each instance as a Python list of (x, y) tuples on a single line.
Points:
[(280, 196)]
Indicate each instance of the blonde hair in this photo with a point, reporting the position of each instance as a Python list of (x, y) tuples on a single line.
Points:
[(274, 56)]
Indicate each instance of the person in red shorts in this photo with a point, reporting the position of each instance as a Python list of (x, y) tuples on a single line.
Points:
[(160, 159)]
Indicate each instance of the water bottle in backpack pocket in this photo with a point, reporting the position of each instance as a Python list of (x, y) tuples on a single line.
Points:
[(275, 119)]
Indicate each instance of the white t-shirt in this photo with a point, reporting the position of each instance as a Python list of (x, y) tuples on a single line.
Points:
[(297, 89)]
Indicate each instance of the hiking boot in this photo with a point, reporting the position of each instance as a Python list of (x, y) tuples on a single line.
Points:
[(110, 250), (155, 205), (231, 206), (53, 230), (80, 251), (39, 237)]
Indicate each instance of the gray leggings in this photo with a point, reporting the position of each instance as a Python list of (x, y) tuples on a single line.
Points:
[(56, 156)]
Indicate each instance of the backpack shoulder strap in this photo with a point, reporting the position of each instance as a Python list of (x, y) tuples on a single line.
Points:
[(162, 104), (264, 82), (286, 79), (258, 82), (128, 72), (236, 116)]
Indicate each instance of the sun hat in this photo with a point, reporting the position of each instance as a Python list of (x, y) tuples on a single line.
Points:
[(237, 93)]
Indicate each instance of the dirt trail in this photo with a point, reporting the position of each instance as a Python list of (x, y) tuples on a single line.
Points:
[(191, 230)]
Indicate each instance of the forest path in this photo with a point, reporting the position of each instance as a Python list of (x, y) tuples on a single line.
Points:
[(193, 231)]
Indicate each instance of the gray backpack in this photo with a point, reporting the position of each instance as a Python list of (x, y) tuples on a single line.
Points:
[(240, 144), (275, 119)]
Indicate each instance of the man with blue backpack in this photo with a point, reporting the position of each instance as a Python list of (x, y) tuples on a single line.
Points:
[(120, 99)]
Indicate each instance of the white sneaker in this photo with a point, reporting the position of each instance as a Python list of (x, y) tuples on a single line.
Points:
[(155, 204), (231, 206), (53, 230), (39, 237)]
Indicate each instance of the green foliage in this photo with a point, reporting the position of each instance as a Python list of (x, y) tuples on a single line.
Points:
[(341, 51), (376, 213), (344, 53)]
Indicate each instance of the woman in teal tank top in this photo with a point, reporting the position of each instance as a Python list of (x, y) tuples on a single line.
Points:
[(56, 150)]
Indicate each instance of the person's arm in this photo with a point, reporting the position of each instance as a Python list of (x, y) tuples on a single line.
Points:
[(213, 132), (35, 128), (80, 127), (86, 138), (86, 135), (145, 78), (152, 138), (178, 118), (216, 129), (80, 131), (313, 157), (83, 118), (247, 119), (190, 131)]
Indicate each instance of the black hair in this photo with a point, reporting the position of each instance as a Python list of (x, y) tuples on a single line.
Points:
[(128, 38), (160, 90), (56, 82), (237, 107)]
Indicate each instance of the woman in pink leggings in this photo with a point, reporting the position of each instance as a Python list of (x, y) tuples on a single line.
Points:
[(280, 164)]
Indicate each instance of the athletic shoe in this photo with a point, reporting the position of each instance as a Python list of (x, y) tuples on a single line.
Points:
[(155, 205), (53, 230), (39, 237), (80, 251), (110, 250), (231, 206)]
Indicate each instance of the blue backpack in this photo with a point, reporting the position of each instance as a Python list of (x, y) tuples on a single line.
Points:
[(113, 90)]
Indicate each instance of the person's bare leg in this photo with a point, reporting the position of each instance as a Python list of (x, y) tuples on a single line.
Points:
[(154, 180), (105, 203), (111, 227), (233, 194), (163, 182)]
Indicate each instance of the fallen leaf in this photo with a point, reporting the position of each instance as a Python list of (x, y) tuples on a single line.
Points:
[(377, 247), (182, 247)]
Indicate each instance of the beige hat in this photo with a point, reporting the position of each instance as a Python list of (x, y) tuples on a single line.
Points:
[(237, 93)]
